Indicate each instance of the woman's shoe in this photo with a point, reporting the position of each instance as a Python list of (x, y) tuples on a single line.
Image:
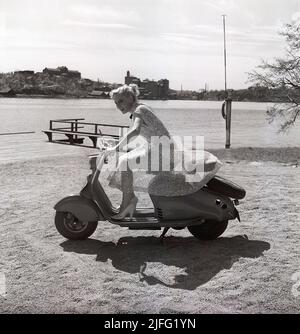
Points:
[(129, 210)]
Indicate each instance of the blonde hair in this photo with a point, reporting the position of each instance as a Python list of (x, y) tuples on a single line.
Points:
[(131, 89)]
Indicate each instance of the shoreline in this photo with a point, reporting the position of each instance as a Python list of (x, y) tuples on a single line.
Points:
[(262, 154), (65, 97), (281, 155)]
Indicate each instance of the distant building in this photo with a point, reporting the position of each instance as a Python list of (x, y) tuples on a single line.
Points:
[(149, 89), (51, 71), (163, 88), (131, 80), (7, 92), (62, 70), (26, 72), (99, 94)]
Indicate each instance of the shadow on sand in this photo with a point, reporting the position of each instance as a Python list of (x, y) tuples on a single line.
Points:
[(201, 261)]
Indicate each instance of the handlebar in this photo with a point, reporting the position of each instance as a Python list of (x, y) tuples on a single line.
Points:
[(100, 161)]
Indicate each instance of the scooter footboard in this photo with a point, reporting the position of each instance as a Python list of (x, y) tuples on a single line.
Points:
[(81, 207)]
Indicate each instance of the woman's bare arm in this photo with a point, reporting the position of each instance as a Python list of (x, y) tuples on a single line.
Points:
[(133, 132)]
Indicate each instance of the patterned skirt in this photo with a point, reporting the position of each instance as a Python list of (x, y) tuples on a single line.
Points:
[(164, 172)]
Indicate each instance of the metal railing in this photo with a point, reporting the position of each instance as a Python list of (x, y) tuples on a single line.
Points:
[(77, 123)]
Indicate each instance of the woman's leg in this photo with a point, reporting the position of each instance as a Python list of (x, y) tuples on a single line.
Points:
[(127, 188), (126, 181)]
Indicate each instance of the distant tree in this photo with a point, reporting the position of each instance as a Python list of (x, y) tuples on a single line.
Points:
[(283, 75)]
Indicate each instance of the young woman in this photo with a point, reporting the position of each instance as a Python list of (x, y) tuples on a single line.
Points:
[(146, 126)]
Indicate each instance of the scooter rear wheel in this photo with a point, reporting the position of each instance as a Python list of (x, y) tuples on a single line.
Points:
[(72, 228), (209, 230)]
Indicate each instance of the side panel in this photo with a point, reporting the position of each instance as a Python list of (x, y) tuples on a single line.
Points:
[(202, 204), (82, 208)]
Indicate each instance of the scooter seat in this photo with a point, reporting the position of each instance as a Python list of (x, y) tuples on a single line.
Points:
[(226, 187)]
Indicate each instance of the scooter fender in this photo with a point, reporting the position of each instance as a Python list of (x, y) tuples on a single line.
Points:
[(81, 207)]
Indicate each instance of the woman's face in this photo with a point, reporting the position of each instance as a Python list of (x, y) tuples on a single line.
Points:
[(124, 103)]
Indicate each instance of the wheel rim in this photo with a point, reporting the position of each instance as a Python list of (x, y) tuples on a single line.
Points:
[(73, 224)]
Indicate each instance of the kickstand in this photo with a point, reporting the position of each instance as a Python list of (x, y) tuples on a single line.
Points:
[(161, 238)]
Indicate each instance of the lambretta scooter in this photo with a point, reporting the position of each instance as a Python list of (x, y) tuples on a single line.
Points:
[(205, 213)]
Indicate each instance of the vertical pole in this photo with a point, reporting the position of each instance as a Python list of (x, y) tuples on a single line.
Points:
[(76, 128), (121, 132), (228, 99), (225, 55)]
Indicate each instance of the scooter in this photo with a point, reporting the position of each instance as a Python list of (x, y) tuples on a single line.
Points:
[(204, 213)]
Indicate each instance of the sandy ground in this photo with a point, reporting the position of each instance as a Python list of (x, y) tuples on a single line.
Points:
[(253, 268)]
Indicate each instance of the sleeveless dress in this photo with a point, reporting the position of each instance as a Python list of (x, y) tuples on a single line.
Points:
[(153, 165)]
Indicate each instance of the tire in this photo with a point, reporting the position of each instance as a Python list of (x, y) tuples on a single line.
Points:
[(72, 228), (209, 230)]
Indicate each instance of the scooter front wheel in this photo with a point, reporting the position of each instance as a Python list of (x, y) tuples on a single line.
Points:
[(72, 228), (209, 230)]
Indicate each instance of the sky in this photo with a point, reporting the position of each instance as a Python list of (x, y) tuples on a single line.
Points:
[(180, 40)]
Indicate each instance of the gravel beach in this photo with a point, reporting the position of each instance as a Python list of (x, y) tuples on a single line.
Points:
[(254, 267)]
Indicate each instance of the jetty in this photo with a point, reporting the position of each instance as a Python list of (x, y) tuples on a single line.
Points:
[(76, 130)]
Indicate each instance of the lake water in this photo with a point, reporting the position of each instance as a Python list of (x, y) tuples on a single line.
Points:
[(249, 124)]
